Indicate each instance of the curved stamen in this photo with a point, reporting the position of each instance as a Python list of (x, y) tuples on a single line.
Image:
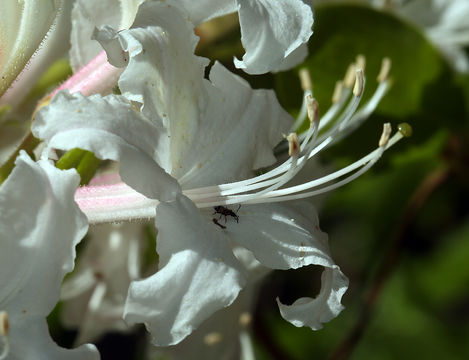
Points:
[(118, 202), (262, 180), (281, 195)]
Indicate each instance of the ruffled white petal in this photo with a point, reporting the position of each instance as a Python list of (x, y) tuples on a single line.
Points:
[(326, 306), (156, 55), (86, 15), (23, 27), (198, 275), (112, 129), (281, 236), (272, 30), (295, 58), (40, 226)]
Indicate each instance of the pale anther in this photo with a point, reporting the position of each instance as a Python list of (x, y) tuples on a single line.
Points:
[(305, 79), (293, 144), (313, 109), (359, 83), (385, 69), (383, 141)]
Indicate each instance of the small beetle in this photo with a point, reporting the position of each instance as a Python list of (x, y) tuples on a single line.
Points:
[(223, 211)]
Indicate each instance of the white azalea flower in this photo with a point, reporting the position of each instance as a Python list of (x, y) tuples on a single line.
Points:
[(23, 27), (189, 135), (40, 226)]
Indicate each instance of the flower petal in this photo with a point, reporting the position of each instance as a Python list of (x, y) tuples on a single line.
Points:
[(112, 129), (23, 27), (288, 237), (89, 14), (198, 275), (156, 55), (272, 30), (236, 133), (29, 339), (204, 120), (40, 226), (204, 10), (281, 236), (326, 306)]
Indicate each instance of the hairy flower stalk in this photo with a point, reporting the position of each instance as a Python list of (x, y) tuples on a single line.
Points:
[(119, 202)]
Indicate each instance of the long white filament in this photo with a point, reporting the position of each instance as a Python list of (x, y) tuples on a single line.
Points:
[(267, 187)]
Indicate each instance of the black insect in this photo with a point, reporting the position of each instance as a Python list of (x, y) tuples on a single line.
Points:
[(215, 221), (223, 211)]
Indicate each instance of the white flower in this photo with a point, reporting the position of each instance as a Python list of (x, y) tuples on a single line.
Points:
[(40, 225), (177, 136)]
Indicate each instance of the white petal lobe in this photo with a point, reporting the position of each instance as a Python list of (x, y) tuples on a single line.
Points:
[(198, 275), (112, 129), (40, 226), (313, 312), (271, 31), (281, 236)]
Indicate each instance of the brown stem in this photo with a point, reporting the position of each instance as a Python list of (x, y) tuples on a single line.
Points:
[(428, 186)]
